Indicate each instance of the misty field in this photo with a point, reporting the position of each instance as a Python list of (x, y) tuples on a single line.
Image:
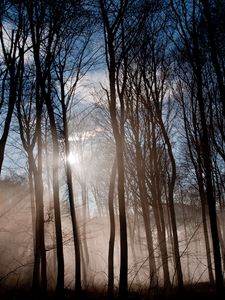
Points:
[(17, 252)]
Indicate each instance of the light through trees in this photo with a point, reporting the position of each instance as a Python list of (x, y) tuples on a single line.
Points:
[(73, 159)]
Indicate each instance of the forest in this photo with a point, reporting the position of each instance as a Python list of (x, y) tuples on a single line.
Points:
[(112, 149)]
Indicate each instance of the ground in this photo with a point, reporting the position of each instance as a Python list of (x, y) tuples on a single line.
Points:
[(197, 292)]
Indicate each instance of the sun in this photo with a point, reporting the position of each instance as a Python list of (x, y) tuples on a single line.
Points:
[(73, 158)]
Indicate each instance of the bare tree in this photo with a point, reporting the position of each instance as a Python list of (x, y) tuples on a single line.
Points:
[(112, 231), (195, 57), (12, 43), (111, 30)]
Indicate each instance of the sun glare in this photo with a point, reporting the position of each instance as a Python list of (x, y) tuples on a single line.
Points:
[(73, 158)]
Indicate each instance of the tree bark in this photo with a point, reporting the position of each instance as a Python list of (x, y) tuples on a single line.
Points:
[(118, 132), (158, 208), (112, 230), (58, 226), (213, 52), (207, 162), (76, 238), (153, 282), (171, 185)]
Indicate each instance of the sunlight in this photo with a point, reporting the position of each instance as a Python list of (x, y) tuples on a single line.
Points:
[(73, 158)]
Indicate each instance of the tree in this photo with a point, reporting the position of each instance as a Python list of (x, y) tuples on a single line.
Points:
[(112, 231), (77, 70), (111, 30), (45, 23), (13, 49), (30, 133), (195, 57), (155, 65)]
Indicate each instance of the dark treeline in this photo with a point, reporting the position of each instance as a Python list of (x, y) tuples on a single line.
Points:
[(155, 125)]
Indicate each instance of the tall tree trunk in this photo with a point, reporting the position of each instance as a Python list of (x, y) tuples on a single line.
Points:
[(84, 271), (76, 238), (37, 256), (117, 122), (171, 185), (198, 171), (169, 231), (213, 52), (84, 217), (58, 226), (186, 236), (222, 244), (5, 134), (205, 229), (207, 162), (123, 281), (158, 208), (112, 230), (146, 214), (132, 245), (40, 241), (32, 203), (69, 180), (40, 253)]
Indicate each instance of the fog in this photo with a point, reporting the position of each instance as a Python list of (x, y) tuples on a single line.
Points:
[(17, 251)]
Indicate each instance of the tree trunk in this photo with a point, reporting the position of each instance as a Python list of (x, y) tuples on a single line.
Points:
[(15, 68), (123, 281), (222, 244), (58, 226), (186, 239), (69, 180), (112, 231), (84, 217), (117, 122), (207, 162), (32, 204), (146, 214), (40, 253), (171, 185), (4, 137), (76, 238), (133, 250), (158, 208), (213, 52), (205, 229)]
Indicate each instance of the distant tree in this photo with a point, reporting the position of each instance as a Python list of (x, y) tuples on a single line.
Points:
[(122, 22), (13, 45), (213, 45), (195, 58), (112, 230), (138, 128), (71, 55), (192, 139), (112, 27), (154, 64), (29, 118), (45, 23)]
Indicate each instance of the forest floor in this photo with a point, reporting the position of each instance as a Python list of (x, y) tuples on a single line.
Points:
[(191, 292)]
